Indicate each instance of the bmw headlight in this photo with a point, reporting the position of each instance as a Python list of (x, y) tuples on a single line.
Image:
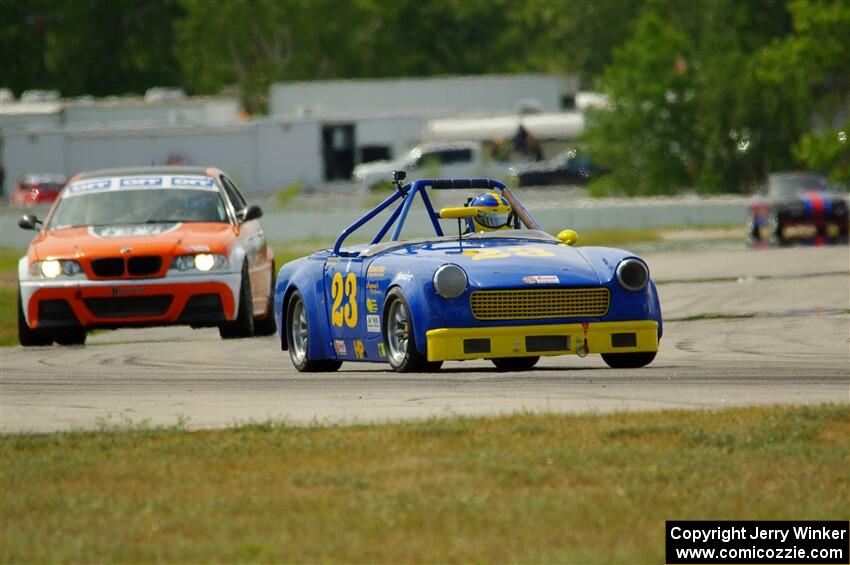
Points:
[(632, 274), (56, 268), (450, 281), (203, 262)]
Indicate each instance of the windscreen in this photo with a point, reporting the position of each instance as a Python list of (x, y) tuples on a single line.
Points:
[(143, 206), (787, 185)]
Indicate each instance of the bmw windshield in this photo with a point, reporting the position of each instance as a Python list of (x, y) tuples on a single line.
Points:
[(142, 206)]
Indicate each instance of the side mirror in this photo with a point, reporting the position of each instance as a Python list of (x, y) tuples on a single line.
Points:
[(568, 237), (252, 213), (399, 176), (458, 213), (28, 222)]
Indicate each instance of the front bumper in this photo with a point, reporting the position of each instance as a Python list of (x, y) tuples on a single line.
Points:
[(456, 344), (184, 299)]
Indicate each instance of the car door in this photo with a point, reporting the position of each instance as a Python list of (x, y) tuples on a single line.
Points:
[(344, 292), (252, 238)]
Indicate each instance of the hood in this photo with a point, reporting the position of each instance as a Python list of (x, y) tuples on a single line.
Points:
[(153, 239), (506, 263)]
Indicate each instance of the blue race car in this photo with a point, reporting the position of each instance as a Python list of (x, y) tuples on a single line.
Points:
[(500, 289)]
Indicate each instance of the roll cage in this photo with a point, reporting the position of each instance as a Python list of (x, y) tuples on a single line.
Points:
[(404, 196)]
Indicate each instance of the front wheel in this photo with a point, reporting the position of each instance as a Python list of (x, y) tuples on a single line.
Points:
[(297, 336), (243, 325), (266, 326), (27, 336), (628, 360), (515, 363), (400, 338)]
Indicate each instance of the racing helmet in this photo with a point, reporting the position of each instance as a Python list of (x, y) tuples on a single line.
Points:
[(494, 212)]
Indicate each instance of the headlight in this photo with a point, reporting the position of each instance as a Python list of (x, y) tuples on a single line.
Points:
[(54, 268), (200, 262), (632, 274), (450, 281)]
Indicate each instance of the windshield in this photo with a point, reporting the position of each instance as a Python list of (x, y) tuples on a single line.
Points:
[(138, 207), (787, 185)]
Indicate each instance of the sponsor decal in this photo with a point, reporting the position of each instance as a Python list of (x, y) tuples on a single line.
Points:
[(359, 350), (135, 230), (371, 305), (136, 183), (541, 279), (89, 185), (373, 324), (506, 252), (339, 347), (128, 290), (142, 181), (373, 288), (197, 248), (405, 276), (381, 351), (192, 181), (376, 272)]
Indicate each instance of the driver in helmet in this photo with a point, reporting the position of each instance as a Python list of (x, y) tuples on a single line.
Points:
[(494, 213)]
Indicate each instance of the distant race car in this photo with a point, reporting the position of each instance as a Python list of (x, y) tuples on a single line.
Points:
[(565, 168), (509, 294), (797, 205), (37, 189), (145, 247)]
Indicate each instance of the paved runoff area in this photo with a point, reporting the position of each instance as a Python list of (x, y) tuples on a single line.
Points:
[(742, 327)]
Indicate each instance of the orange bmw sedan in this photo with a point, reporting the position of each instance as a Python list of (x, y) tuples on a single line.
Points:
[(145, 247)]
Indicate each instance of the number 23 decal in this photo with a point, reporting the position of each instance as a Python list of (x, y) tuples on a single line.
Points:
[(347, 313)]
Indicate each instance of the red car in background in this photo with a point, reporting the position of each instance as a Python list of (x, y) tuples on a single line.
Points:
[(37, 189)]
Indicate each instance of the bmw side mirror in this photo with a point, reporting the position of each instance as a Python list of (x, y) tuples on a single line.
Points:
[(29, 222), (252, 213)]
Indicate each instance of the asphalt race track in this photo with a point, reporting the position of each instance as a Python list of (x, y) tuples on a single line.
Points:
[(742, 327)]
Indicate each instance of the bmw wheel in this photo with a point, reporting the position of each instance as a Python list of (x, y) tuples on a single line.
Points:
[(27, 336), (243, 325), (297, 338), (400, 339), (515, 363), (266, 326), (628, 360)]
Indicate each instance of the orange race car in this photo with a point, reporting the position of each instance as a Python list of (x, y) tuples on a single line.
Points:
[(145, 247)]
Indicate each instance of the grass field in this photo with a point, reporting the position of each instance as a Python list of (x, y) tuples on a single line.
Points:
[(524, 488)]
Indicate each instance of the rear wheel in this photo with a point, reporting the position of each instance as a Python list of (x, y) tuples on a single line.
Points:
[(267, 326), (515, 363), (27, 336), (297, 336), (243, 325), (628, 360), (400, 338), (75, 336)]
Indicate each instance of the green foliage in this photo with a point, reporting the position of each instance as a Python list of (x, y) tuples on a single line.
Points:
[(828, 151), (752, 85)]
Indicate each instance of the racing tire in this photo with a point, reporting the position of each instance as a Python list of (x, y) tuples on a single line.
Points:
[(753, 232), (72, 336), (27, 336), (628, 360), (515, 363), (779, 231), (267, 326), (243, 325), (296, 327), (400, 337)]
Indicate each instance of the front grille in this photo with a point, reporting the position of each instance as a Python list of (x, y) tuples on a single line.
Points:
[(540, 303), (109, 267), (127, 306), (144, 265)]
